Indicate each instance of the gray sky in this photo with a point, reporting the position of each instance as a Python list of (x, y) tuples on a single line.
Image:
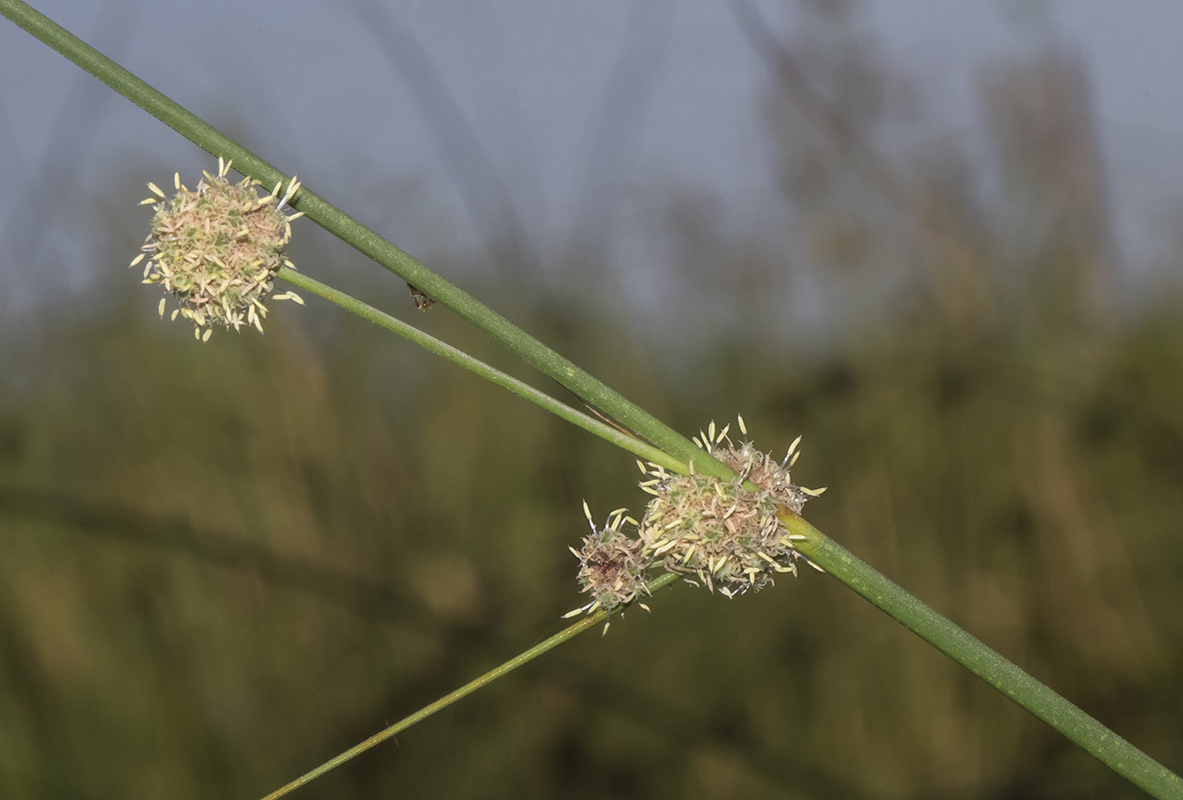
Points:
[(325, 93)]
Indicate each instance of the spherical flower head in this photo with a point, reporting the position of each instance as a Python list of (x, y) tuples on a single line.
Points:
[(611, 568), (725, 533), (217, 249)]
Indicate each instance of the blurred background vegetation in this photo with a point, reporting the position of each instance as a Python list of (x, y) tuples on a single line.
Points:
[(221, 565)]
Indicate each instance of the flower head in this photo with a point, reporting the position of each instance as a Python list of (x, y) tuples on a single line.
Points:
[(716, 533), (725, 533), (217, 249), (611, 568)]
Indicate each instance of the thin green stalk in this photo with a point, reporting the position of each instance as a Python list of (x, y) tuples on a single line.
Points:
[(1112, 750), (572, 415), (570, 632), (319, 210)]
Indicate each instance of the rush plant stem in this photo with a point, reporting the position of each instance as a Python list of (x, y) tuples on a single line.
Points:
[(456, 356), (1112, 750), (569, 632)]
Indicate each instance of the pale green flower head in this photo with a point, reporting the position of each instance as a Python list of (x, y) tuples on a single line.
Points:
[(217, 249), (725, 534)]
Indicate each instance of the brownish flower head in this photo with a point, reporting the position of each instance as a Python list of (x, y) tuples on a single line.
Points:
[(610, 565), (217, 249)]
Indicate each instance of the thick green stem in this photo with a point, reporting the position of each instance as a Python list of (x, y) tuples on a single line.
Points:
[(1112, 750), (586, 387), (572, 415)]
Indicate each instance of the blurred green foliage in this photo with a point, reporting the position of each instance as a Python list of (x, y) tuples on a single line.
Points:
[(222, 564)]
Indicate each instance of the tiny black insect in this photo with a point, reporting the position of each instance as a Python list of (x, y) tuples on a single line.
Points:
[(422, 301)]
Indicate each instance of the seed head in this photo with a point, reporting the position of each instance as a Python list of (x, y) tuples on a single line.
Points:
[(610, 565), (720, 534), (724, 533), (217, 249)]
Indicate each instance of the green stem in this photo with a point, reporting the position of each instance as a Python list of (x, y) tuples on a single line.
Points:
[(570, 632), (1112, 750), (584, 386), (572, 415)]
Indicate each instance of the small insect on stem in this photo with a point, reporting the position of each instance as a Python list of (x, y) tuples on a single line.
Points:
[(422, 301)]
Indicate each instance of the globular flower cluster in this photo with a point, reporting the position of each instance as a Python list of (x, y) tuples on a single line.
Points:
[(724, 535), (612, 563), (217, 249)]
